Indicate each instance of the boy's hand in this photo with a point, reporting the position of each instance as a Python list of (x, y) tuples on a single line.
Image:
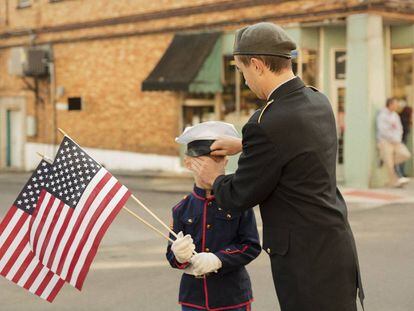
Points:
[(204, 263), (226, 145), (208, 168), (183, 247)]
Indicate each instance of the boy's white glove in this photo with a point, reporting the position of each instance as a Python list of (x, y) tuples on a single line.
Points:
[(189, 270), (183, 247), (204, 263)]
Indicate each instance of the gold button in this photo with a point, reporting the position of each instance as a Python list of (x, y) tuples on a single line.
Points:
[(228, 216), (208, 226), (190, 220), (268, 250), (209, 203), (207, 249)]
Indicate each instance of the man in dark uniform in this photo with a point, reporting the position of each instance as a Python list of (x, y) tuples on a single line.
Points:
[(287, 166)]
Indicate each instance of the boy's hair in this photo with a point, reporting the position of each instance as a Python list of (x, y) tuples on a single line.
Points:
[(275, 64)]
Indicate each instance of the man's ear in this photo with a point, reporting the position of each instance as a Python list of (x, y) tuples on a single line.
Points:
[(258, 65)]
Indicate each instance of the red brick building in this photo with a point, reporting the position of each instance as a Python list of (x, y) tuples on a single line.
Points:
[(90, 68)]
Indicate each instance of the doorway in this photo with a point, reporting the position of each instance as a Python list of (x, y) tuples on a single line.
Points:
[(403, 90), (12, 133)]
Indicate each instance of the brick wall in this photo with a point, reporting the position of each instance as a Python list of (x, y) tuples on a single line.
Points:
[(108, 74), (104, 49)]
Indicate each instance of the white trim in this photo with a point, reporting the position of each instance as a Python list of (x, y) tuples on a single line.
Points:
[(111, 159)]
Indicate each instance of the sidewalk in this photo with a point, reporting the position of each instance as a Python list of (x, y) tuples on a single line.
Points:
[(183, 183), (355, 198), (371, 198)]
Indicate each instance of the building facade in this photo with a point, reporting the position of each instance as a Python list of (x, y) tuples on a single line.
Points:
[(123, 78)]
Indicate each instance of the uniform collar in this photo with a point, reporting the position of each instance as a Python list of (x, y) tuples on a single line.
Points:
[(286, 88), (200, 193), (279, 85)]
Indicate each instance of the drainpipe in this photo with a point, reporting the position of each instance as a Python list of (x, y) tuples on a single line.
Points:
[(52, 72)]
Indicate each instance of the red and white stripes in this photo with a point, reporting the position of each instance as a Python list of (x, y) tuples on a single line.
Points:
[(66, 239), (17, 261)]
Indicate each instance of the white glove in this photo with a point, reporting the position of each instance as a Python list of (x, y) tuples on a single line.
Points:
[(205, 263), (189, 270), (183, 247)]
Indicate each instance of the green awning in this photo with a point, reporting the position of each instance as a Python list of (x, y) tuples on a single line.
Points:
[(192, 63)]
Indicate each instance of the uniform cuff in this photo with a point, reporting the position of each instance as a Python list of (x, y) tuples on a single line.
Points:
[(181, 265)]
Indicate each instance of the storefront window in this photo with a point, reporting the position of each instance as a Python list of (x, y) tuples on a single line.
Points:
[(402, 65), (309, 67), (304, 64), (229, 85), (198, 108), (239, 102)]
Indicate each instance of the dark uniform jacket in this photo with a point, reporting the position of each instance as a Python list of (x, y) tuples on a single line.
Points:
[(232, 236), (287, 166)]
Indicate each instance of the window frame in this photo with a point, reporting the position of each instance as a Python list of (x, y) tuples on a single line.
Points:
[(23, 4)]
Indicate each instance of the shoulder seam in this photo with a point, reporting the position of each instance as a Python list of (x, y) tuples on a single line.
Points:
[(179, 204)]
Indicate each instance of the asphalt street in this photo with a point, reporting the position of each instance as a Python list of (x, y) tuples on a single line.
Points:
[(130, 271)]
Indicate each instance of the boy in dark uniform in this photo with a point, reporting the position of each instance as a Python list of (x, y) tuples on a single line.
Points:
[(215, 278)]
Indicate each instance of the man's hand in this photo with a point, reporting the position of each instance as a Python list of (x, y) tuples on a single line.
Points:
[(183, 247), (205, 263), (226, 145), (208, 169)]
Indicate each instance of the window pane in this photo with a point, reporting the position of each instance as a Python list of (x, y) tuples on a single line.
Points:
[(23, 3)]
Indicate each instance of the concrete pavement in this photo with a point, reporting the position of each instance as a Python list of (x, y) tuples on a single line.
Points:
[(130, 271)]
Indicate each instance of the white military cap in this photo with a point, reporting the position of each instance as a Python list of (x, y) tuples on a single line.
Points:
[(200, 137)]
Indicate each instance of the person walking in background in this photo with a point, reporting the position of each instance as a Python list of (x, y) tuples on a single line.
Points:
[(406, 116), (389, 134)]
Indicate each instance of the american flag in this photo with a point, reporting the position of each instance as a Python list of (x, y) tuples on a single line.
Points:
[(80, 202), (18, 262)]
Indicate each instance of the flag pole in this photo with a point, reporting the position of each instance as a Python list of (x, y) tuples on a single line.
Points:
[(153, 215), (125, 208), (148, 224), (138, 201)]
